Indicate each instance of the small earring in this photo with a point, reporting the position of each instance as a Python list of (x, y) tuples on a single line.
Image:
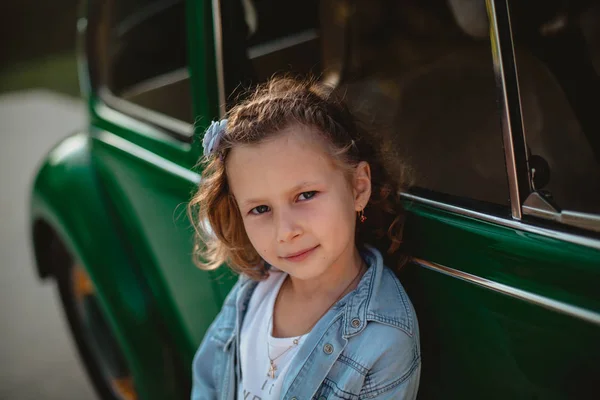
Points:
[(361, 216)]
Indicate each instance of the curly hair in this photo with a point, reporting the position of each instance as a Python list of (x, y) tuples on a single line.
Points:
[(220, 236)]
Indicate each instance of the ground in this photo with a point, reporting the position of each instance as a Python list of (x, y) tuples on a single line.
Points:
[(37, 352)]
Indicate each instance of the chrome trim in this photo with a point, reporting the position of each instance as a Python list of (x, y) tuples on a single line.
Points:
[(548, 303), (83, 73), (148, 156), (539, 212), (537, 206), (580, 219), (166, 79), (509, 223), (144, 13), (122, 106), (455, 209), (218, 32), (279, 44), (507, 133)]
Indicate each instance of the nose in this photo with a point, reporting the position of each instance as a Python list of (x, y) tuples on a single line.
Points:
[(287, 227)]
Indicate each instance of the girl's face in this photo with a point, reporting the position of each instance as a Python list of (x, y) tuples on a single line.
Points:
[(298, 207)]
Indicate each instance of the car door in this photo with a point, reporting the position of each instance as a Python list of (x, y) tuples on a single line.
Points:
[(149, 88), (508, 304)]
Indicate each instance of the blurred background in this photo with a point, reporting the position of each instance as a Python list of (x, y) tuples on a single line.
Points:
[(37, 41), (39, 105)]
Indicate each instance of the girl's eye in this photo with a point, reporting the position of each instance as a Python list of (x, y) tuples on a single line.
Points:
[(306, 195), (259, 210)]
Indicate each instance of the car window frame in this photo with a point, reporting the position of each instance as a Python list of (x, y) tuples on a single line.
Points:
[(93, 35), (529, 211), (534, 208)]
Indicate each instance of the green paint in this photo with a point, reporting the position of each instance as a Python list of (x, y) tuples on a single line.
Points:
[(478, 343)]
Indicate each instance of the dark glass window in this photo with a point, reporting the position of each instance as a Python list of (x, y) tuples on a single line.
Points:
[(557, 49), (147, 53), (419, 73), (261, 37)]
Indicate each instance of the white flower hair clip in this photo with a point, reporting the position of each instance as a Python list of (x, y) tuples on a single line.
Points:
[(213, 136)]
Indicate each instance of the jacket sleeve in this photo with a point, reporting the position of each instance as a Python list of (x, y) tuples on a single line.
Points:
[(211, 355), (203, 382), (396, 373)]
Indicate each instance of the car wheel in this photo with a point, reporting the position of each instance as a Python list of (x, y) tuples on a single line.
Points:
[(98, 348)]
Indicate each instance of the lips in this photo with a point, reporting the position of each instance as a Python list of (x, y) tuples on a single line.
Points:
[(300, 255)]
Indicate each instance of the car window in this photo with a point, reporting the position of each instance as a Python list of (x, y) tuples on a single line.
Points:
[(147, 56), (261, 37), (420, 74), (557, 51)]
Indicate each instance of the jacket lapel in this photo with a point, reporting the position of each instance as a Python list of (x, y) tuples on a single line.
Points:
[(315, 357)]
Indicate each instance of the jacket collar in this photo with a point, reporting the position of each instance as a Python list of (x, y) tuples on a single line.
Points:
[(378, 297), (359, 305)]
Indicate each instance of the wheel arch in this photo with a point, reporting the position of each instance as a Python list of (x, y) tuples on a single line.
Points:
[(49, 251), (70, 218)]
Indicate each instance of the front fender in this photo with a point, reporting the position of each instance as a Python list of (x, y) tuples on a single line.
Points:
[(67, 197)]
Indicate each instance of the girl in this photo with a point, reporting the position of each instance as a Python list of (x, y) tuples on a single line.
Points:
[(292, 193)]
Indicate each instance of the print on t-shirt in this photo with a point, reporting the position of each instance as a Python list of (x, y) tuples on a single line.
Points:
[(265, 388)]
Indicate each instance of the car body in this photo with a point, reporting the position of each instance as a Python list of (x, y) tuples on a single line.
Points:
[(470, 99)]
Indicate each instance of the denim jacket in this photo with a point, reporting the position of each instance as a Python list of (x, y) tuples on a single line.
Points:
[(365, 347)]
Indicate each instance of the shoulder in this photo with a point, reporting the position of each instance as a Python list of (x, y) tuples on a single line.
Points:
[(231, 298), (383, 340), (380, 297), (390, 349), (223, 325), (391, 306), (389, 359), (246, 295), (381, 344), (244, 286), (389, 345)]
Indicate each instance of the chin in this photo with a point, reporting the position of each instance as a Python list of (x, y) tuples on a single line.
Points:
[(306, 270)]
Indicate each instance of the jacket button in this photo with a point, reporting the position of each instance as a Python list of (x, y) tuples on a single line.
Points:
[(355, 322), (328, 348), (294, 398), (322, 398)]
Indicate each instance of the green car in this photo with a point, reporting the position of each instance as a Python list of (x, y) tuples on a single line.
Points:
[(490, 108)]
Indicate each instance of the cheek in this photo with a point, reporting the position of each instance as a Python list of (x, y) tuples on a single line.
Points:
[(344, 226), (258, 235), (335, 218)]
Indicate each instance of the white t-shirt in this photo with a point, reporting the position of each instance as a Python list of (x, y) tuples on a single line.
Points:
[(257, 383)]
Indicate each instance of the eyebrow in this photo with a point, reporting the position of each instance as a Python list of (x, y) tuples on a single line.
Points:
[(297, 188)]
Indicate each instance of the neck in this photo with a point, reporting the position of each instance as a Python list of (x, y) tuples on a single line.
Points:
[(331, 283)]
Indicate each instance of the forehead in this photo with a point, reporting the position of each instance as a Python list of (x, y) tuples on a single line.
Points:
[(295, 156)]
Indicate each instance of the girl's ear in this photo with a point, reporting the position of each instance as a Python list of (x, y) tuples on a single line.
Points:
[(362, 185)]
